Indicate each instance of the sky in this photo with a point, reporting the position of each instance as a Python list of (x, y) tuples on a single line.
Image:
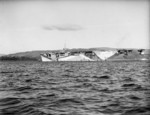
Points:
[(49, 24)]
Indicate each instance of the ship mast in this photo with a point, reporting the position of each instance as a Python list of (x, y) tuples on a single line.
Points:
[(64, 46)]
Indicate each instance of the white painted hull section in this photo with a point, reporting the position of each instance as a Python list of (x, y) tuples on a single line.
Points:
[(44, 59), (143, 59), (80, 57), (103, 55)]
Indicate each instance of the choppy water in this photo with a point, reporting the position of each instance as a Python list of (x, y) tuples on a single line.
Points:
[(74, 88)]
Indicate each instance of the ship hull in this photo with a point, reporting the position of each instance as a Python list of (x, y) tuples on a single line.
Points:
[(78, 56), (45, 59), (67, 58), (75, 58)]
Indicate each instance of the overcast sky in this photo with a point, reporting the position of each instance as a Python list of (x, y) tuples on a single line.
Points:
[(49, 24)]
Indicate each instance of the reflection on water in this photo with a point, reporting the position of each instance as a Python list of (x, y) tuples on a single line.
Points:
[(74, 88)]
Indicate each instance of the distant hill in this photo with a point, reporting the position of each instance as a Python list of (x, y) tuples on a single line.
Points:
[(2, 55), (35, 55)]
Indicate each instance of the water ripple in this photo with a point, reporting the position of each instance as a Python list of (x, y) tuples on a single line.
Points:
[(74, 88)]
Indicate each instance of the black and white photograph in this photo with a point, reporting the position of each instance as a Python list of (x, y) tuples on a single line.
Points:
[(74, 57)]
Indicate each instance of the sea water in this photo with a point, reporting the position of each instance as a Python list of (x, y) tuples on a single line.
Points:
[(75, 88)]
